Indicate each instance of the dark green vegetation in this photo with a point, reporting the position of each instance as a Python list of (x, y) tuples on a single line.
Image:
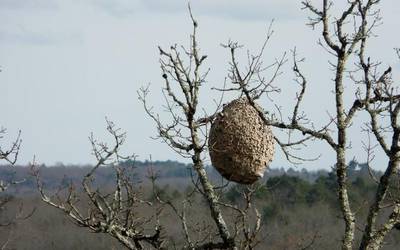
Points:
[(299, 208)]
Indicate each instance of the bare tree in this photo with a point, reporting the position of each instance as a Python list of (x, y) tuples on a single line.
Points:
[(10, 156), (381, 99), (110, 212), (187, 135)]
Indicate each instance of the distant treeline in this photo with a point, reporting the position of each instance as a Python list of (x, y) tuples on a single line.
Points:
[(168, 172)]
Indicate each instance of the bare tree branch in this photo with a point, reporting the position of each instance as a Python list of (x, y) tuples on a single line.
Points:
[(112, 213)]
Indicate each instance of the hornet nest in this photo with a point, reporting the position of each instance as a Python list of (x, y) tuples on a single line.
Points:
[(241, 146)]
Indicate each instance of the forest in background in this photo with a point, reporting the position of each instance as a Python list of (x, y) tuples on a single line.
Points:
[(299, 208)]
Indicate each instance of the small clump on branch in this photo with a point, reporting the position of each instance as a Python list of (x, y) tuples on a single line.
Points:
[(241, 146)]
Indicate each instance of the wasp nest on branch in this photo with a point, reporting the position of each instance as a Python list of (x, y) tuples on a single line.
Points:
[(241, 146)]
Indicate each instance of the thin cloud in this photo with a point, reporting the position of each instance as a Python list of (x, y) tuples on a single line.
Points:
[(117, 8), (250, 10), (35, 38), (28, 4)]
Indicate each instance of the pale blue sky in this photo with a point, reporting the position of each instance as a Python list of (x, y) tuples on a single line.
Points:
[(68, 64)]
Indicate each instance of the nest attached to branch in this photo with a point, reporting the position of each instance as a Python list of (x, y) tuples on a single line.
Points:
[(241, 146)]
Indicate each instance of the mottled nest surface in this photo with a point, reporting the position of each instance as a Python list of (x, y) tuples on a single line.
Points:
[(240, 145)]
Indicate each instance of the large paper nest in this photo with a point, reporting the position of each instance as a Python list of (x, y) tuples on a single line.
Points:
[(240, 145)]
